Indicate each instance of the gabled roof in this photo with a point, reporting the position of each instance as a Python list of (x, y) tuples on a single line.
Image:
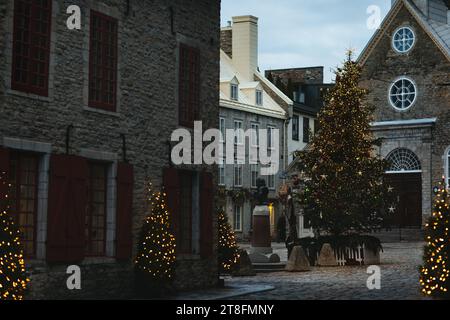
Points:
[(438, 32)]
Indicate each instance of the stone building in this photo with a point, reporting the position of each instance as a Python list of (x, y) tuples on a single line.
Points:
[(306, 87), (86, 120), (249, 101), (406, 67)]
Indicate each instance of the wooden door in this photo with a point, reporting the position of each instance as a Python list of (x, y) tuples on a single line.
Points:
[(408, 187)]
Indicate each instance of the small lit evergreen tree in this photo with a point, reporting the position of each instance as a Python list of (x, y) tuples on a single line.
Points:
[(156, 250), (435, 273), (228, 248), (13, 280)]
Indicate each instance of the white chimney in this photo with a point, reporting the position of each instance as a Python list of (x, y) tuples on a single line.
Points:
[(245, 45)]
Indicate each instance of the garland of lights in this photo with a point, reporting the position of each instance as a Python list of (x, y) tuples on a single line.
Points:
[(156, 252), (228, 248), (435, 274), (13, 280)]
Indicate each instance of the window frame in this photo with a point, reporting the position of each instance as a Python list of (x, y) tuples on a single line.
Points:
[(270, 138), (106, 106), (271, 182), (259, 98), (222, 173), (222, 129), (254, 135), (239, 138), (189, 84), (238, 175), (411, 45), (390, 95), (241, 209), (306, 130), (296, 127), (17, 191), (234, 92), (254, 168), (15, 83), (105, 166)]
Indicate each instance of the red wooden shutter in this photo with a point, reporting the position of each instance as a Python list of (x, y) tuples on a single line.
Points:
[(67, 208), (4, 168), (171, 181), (125, 184), (206, 224)]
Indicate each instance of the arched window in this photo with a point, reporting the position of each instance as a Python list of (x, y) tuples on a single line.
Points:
[(403, 160)]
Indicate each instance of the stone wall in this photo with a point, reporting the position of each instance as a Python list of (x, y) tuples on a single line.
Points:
[(430, 70), (147, 108), (226, 41)]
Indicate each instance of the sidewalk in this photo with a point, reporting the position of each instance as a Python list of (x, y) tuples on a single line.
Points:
[(230, 291)]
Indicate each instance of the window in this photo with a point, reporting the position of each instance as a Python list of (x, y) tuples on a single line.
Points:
[(189, 85), (255, 135), (270, 138), (222, 129), (222, 173), (316, 126), (403, 40), (184, 236), (239, 134), (403, 160), (259, 97), (254, 168), (403, 94), (238, 175), (271, 182), (295, 128), (306, 130), (95, 223), (103, 62), (24, 187), (234, 92), (31, 46), (237, 219)]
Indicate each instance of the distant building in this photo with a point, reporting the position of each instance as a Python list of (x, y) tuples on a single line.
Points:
[(305, 86), (249, 101)]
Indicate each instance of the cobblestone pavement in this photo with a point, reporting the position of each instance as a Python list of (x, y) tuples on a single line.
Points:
[(399, 279)]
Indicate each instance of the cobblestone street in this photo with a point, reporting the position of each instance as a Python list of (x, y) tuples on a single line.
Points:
[(399, 279)]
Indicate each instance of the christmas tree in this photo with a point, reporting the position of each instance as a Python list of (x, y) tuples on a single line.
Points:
[(156, 252), (13, 280), (345, 192), (435, 274), (228, 248)]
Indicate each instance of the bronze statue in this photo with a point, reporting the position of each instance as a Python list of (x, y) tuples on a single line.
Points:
[(262, 193)]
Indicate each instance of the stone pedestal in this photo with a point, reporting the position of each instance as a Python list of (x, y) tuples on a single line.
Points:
[(261, 239)]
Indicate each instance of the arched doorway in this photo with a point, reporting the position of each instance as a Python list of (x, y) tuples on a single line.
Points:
[(405, 176)]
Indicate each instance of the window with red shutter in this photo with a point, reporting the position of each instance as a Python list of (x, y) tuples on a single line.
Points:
[(206, 218), (189, 85), (23, 178), (31, 46), (103, 62)]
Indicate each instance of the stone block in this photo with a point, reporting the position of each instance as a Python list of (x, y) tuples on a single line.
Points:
[(298, 261), (326, 257)]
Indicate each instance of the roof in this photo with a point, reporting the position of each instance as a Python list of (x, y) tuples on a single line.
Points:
[(247, 103), (439, 32)]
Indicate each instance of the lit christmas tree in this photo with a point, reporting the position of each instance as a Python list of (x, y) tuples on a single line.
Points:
[(13, 280), (345, 192), (435, 274), (156, 252), (228, 248)]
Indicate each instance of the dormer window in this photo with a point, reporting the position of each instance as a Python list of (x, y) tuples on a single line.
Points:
[(234, 92), (403, 40), (259, 97)]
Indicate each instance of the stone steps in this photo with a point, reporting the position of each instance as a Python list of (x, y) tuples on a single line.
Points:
[(269, 267)]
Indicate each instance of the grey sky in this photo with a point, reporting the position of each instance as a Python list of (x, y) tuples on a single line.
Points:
[(301, 33)]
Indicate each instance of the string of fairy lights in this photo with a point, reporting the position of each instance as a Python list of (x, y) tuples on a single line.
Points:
[(435, 274), (228, 248), (156, 254), (13, 279)]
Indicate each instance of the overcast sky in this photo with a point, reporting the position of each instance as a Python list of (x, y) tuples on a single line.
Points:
[(302, 33)]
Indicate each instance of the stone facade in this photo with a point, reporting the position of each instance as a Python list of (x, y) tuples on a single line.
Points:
[(428, 66), (148, 39), (309, 75)]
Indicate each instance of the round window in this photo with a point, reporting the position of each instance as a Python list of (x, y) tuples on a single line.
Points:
[(403, 94), (403, 40)]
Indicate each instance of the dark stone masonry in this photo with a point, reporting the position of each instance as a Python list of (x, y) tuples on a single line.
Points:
[(149, 37)]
